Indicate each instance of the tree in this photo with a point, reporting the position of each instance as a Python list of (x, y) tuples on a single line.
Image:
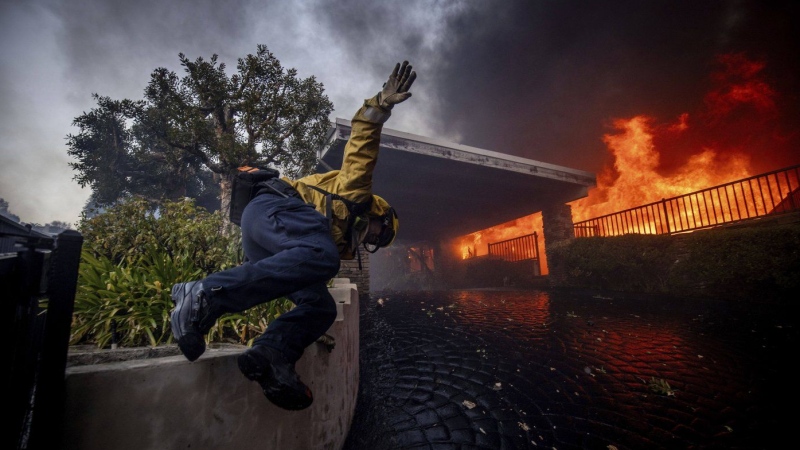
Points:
[(188, 135), (4, 210)]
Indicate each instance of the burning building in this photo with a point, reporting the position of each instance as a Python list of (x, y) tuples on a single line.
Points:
[(464, 208), (444, 191)]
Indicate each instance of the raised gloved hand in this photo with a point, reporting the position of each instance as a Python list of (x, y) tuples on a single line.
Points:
[(395, 90)]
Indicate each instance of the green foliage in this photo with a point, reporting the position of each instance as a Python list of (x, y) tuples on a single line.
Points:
[(188, 134), (736, 262), (741, 261), (625, 263), (180, 229), (135, 296), (131, 258), (244, 327)]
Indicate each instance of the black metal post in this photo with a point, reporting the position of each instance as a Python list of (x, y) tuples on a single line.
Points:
[(49, 403)]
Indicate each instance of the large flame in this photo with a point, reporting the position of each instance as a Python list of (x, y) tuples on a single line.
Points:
[(653, 160), (635, 179), (704, 149)]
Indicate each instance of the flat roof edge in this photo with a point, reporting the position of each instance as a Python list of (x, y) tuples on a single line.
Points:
[(550, 170)]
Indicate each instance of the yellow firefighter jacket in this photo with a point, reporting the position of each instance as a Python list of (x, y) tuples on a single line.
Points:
[(353, 181)]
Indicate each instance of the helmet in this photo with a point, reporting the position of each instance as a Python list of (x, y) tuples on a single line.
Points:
[(390, 223)]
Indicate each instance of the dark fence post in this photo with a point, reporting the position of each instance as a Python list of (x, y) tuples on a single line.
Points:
[(36, 268), (62, 282), (21, 285)]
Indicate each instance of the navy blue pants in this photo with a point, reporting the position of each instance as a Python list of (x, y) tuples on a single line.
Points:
[(290, 252)]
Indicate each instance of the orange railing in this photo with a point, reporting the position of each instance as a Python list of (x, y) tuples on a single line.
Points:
[(770, 193)]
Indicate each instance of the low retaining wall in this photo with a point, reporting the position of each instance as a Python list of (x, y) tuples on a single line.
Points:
[(171, 403)]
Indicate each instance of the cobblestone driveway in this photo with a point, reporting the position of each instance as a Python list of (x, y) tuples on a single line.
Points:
[(509, 369)]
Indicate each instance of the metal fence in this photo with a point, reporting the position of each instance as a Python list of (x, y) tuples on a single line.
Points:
[(516, 249), (770, 193), (38, 280)]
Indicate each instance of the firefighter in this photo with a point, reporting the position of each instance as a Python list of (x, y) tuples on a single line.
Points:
[(294, 235)]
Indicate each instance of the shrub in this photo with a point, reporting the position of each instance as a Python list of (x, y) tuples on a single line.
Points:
[(754, 261), (741, 261), (625, 263), (181, 229), (131, 258), (134, 297)]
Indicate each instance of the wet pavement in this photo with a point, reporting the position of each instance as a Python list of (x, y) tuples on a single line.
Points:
[(532, 369)]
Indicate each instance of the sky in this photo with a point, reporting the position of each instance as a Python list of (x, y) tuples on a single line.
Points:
[(540, 79)]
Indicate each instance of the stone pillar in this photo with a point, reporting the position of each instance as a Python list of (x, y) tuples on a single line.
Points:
[(349, 269), (557, 230), (557, 224)]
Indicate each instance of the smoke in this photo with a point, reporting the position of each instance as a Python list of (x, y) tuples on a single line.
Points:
[(539, 79), (545, 80)]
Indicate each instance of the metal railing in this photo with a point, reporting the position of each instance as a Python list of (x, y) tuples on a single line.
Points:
[(770, 193), (517, 249)]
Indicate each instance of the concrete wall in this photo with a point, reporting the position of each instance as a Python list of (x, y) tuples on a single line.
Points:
[(171, 403)]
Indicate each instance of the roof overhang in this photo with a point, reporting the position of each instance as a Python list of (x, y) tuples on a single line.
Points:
[(444, 190)]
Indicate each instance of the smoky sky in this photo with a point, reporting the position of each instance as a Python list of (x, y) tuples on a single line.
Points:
[(541, 79), (545, 79)]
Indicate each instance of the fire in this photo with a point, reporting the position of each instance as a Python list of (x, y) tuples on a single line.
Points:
[(420, 258), (654, 160), (635, 179), (477, 244), (703, 149)]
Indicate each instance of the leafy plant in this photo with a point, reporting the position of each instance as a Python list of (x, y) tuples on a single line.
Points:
[(248, 325), (624, 263), (741, 261), (133, 298), (179, 228), (731, 263), (134, 253)]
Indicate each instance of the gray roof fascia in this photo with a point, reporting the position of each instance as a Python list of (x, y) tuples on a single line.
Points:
[(399, 140)]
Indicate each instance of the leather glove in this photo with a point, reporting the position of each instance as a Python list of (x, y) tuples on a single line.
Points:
[(395, 90)]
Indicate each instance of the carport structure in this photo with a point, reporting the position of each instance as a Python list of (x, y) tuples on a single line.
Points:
[(442, 190)]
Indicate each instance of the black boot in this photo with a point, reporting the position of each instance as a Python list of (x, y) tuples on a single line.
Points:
[(191, 307), (281, 384)]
